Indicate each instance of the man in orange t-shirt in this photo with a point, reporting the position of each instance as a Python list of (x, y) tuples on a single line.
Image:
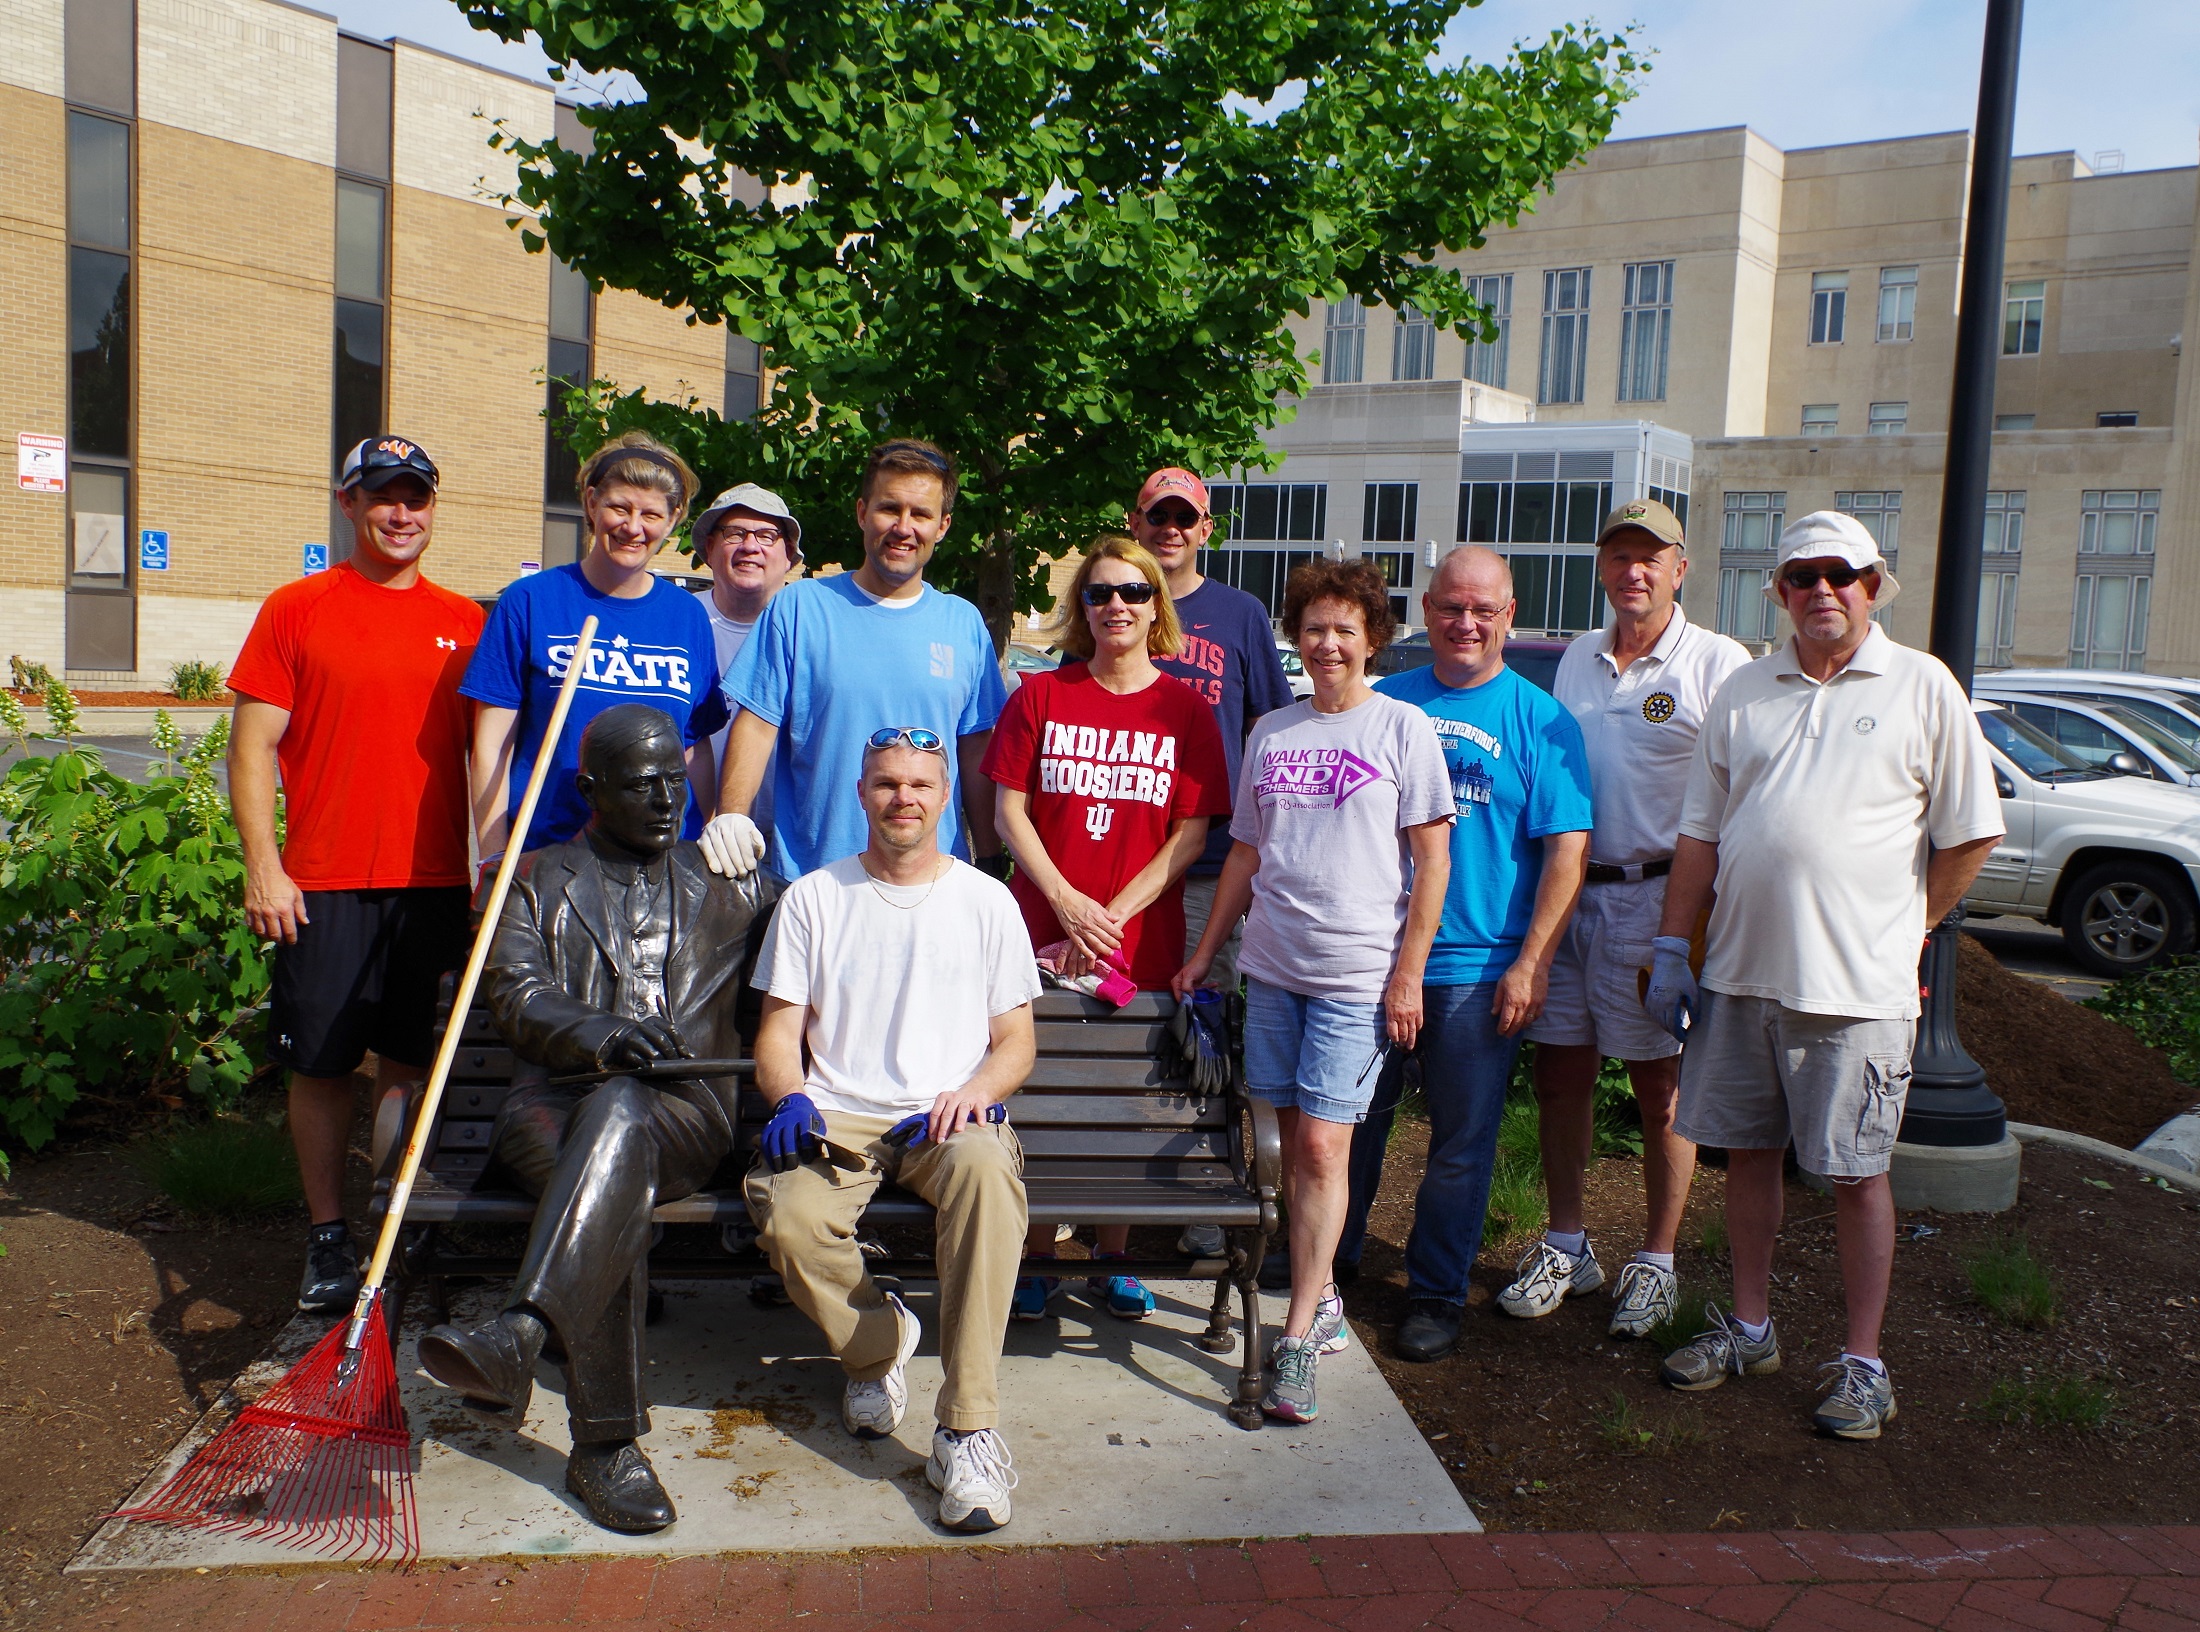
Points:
[(347, 688)]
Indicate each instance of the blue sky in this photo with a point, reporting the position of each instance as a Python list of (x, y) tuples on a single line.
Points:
[(2104, 74)]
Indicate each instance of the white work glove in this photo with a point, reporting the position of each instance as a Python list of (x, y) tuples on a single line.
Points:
[(733, 846), (1671, 997)]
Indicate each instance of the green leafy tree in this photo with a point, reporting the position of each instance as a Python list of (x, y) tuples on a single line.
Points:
[(1050, 235)]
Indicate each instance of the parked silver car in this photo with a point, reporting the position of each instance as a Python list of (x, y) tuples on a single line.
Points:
[(2107, 734), (2158, 700)]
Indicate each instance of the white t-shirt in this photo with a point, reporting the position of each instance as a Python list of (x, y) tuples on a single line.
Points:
[(902, 981), (1323, 798), (1640, 729), (730, 637), (1825, 801)]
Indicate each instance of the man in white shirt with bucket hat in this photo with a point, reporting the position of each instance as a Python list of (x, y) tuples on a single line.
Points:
[(1639, 690), (1840, 803), (751, 542)]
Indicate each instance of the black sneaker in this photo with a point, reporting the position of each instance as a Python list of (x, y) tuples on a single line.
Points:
[(331, 1284), (1431, 1331)]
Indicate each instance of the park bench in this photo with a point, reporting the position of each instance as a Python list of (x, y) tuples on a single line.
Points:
[(1109, 1137)]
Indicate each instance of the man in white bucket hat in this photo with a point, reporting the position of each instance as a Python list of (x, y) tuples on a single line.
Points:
[(752, 544)]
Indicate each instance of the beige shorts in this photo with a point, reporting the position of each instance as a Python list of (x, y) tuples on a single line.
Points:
[(1757, 1076), (1596, 997)]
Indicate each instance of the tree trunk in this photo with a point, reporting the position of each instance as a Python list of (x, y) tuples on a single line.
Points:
[(996, 587)]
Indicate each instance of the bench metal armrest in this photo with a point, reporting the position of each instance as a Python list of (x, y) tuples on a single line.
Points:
[(1266, 1179), (393, 1118)]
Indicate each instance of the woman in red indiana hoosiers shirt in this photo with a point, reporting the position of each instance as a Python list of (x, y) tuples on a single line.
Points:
[(1108, 771)]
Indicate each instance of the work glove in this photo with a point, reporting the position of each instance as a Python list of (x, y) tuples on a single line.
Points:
[(1201, 1028), (733, 846), (911, 1131), (638, 1042), (791, 1137), (1670, 998)]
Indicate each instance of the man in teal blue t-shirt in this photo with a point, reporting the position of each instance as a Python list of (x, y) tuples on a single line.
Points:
[(1520, 782)]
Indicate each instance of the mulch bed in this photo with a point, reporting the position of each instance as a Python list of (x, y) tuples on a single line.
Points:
[(130, 699), (2057, 1063)]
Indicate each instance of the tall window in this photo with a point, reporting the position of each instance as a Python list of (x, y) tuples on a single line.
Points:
[(1748, 538), (2023, 312), (2119, 522), (1486, 358), (1645, 330), (1829, 307), (744, 376), (1390, 511), (1344, 343), (2108, 620), (1997, 592), (362, 257), (1667, 480), (1565, 335), (1888, 419), (1821, 418), (1881, 514), (1265, 513), (571, 363), (1541, 512), (1412, 346), (1897, 302)]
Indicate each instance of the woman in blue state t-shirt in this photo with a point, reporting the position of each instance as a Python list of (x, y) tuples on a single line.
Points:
[(653, 646)]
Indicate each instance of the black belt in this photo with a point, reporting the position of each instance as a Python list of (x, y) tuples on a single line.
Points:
[(1605, 872)]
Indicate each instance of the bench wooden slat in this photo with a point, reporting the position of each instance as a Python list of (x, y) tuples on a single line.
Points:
[(1068, 1108), (1097, 1073), (1055, 1004), (1097, 1037), (1137, 1144)]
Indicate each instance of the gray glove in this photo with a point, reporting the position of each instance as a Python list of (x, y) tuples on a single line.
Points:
[(1671, 997)]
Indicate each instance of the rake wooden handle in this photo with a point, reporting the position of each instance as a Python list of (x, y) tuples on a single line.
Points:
[(463, 1001)]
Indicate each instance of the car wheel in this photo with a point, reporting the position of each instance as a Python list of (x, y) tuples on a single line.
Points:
[(2123, 916)]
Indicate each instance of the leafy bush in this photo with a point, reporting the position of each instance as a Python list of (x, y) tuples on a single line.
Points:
[(2162, 1006), (124, 955), (24, 675), (196, 682), (226, 1168), (2015, 1286)]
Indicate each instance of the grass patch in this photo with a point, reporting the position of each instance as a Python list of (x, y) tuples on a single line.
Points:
[(1690, 1319), (2015, 1287), (1518, 1206), (2048, 1402), (1622, 1428), (225, 1168), (1711, 1234)]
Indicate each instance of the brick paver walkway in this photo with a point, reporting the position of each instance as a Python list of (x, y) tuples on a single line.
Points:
[(2055, 1579)]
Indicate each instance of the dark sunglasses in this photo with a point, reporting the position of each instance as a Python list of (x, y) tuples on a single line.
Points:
[(925, 742), (1134, 594), (1181, 517), (1838, 576)]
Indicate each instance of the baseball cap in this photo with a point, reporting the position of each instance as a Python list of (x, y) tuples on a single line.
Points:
[(1170, 479), (379, 460), (748, 496), (1650, 516), (1831, 535)]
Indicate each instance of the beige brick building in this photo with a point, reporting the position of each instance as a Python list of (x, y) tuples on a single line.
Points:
[(235, 239)]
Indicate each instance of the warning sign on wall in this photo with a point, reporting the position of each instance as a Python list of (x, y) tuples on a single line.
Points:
[(41, 463)]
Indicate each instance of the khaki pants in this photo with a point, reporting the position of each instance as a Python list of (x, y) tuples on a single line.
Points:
[(806, 1222)]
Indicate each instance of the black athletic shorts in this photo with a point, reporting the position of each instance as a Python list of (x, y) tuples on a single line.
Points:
[(363, 975)]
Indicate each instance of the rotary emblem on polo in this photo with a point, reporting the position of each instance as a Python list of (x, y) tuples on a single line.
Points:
[(1657, 708)]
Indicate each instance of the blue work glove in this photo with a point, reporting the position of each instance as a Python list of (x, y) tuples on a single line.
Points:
[(1671, 997), (791, 1136), (1209, 1043), (912, 1131)]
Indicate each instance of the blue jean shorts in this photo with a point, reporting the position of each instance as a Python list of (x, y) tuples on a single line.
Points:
[(1315, 1054)]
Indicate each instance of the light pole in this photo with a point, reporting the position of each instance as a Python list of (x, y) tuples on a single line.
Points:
[(1949, 1102)]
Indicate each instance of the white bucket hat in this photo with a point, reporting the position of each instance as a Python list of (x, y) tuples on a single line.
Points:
[(1831, 534), (748, 496)]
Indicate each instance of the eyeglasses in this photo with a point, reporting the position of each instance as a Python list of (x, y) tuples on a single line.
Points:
[(1838, 576), (1182, 517), (923, 741), (1135, 593), (1480, 614), (738, 536)]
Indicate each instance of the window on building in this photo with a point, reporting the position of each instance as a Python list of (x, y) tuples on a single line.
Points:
[(1667, 480), (1645, 330), (2004, 524), (1565, 335), (571, 362), (99, 286), (1390, 511), (1821, 418), (1412, 346), (1557, 592), (2118, 420), (1888, 419), (744, 376), (1897, 302), (99, 54), (361, 404), (1829, 307), (1344, 343), (1264, 511), (2108, 620), (1541, 512), (1748, 540), (1486, 359), (1753, 523), (2014, 422), (2023, 313), (1997, 620), (1745, 612), (1881, 514), (2119, 521)]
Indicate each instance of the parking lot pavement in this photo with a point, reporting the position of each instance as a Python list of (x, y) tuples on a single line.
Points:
[(2024, 947), (134, 758)]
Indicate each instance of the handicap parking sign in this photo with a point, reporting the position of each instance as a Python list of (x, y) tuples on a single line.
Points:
[(152, 550), (316, 559)]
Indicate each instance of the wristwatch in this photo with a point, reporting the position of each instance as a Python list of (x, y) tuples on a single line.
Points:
[(993, 866)]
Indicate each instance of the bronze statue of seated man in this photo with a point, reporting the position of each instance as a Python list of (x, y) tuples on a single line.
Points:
[(617, 950)]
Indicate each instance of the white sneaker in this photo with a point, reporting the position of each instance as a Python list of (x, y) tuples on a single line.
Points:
[(873, 1410), (1547, 1278), (1648, 1297), (973, 1476)]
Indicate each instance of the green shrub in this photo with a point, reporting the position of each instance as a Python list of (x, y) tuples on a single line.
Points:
[(225, 1168), (24, 675), (124, 957), (2162, 1006), (194, 681), (2015, 1287), (1618, 1128), (2050, 1402)]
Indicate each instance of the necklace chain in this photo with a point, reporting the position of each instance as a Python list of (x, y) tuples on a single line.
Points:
[(912, 906)]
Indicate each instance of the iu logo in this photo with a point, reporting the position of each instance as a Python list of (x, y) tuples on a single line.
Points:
[(1098, 819)]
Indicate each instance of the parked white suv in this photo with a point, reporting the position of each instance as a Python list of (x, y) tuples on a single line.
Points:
[(2112, 861)]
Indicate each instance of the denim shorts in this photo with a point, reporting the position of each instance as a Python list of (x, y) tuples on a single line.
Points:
[(1315, 1054)]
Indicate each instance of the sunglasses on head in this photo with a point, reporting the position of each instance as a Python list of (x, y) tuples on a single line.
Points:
[(1838, 576), (1180, 516), (1136, 593), (925, 742)]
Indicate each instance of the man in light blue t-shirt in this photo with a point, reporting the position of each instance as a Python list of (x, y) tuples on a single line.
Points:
[(835, 659), (1520, 786)]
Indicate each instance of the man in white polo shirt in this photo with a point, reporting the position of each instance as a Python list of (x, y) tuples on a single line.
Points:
[(1840, 803), (1638, 689)]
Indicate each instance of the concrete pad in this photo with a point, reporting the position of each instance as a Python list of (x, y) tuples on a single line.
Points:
[(1118, 1430)]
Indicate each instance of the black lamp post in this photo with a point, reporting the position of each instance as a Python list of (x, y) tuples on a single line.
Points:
[(1949, 1101)]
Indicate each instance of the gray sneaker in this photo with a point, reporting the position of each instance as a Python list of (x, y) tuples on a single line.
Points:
[(1290, 1396), (1724, 1350), (1860, 1404), (1648, 1297), (1203, 1241), (1329, 1333), (1546, 1278)]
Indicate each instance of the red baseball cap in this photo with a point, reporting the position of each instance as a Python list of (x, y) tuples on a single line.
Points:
[(1169, 479)]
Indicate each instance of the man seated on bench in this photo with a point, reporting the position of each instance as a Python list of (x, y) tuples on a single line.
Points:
[(910, 976), (616, 950)]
